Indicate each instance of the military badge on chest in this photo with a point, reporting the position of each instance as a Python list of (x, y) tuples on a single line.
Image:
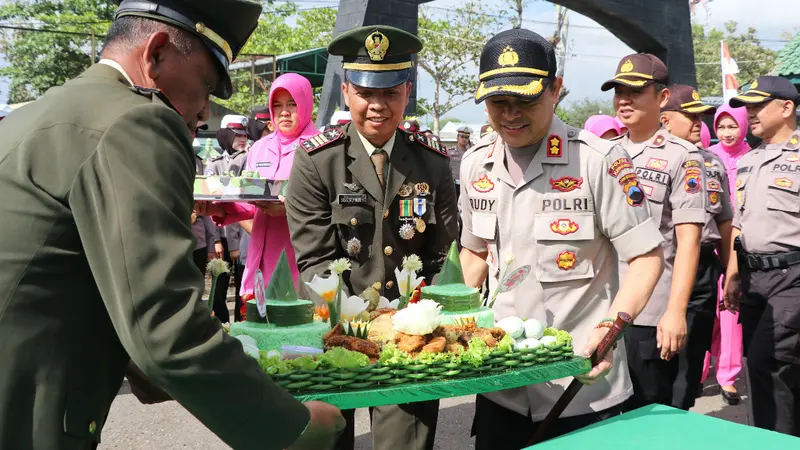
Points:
[(413, 209)]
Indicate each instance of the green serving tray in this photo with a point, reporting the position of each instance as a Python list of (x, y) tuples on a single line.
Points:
[(428, 388)]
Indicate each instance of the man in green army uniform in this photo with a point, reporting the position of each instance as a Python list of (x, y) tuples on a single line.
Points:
[(96, 179), (374, 193)]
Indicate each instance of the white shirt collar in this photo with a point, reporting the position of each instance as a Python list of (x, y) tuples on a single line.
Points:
[(114, 64), (371, 148)]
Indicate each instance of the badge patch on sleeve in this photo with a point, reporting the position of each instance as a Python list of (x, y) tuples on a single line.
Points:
[(566, 260), (714, 185), (690, 164), (563, 227), (707, 163), (566, 184), (713, 197), (691, 181), (633, 192), (554, 149), (618, 166), (483, 184)]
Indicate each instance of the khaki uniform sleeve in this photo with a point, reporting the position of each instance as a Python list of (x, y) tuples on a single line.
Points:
[(688, 206), (468, 239), (131, 201), (629, 227), (309, 214), (726, 213)]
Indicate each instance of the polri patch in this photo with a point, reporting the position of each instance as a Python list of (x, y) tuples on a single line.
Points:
[(654, 176), (618, 166), (783, 182), (352, 199), (690, 164), (483, 184), (563, 227), (566, 184), (566, 260), (561, 203), (657, 164)]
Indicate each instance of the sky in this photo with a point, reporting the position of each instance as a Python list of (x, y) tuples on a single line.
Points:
[(595, 52)]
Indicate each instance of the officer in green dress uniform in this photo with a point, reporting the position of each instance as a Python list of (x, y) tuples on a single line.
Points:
[(96, 180), (374, 193)]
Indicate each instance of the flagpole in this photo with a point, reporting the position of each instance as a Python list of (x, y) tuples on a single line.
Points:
[(722, 66)]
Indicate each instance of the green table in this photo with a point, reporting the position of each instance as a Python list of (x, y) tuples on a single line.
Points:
[(418, 391), (658, 427)]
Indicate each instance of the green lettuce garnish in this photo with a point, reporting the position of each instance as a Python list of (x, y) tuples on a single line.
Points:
[(304, 362), (342, 358), (506, 344), (435, 358), (273, 364), (476, 352), (393, 356), (562, 337)]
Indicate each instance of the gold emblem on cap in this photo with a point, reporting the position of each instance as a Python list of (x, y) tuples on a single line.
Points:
[(695, 95), (754, 85), (626, 67), (530, 89), (509, 57), (377, 45), (202, 29)]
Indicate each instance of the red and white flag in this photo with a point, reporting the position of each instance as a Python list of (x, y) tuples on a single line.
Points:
[(730, 87)]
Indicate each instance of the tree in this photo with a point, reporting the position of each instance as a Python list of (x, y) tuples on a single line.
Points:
[(453, 46), (39, 60), (514, 9), (575, 114), (751, 57)]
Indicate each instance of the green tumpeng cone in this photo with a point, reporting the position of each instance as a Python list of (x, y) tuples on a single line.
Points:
[(451, 272), (283, 306)]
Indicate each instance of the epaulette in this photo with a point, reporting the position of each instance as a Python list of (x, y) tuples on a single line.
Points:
[(155, 94), (430, 144), (216, 158), (483, 142), (688, 146), (597, 144), (322, 140), (617, 137)]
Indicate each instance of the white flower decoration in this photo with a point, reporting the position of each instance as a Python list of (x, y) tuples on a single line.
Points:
[(324, 287), (217, 267), (509, 259), (385, 303), (402, 277), (339, 266), (412, 263), (351, 307), (418, 319)]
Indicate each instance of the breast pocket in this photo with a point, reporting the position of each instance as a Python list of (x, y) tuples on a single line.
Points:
[(741, 183), (715, 193), (657, 197), (561, 240), (782, 194), (354, 222), (484, 225)]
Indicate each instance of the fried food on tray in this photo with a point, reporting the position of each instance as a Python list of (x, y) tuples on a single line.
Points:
[(355, 344), (497, 333), (409, 343), (380, 312), (486, 335), (455, 348), (436, 345), (380, 329), (338, 330)]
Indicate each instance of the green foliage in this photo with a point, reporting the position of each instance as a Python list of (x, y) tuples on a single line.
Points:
[(452, 47), (38, 61), (753, 59), (576, 113)]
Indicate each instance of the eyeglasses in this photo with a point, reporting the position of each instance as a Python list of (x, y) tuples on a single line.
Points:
[(465, 136)]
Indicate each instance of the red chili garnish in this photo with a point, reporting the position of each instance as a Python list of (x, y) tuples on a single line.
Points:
[(415, 295)]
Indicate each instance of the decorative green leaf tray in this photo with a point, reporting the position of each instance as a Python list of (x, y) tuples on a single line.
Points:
[(438, 387)]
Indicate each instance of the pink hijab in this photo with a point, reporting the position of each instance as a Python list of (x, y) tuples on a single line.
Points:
[(730, 155), (600, 124), (300, 90), (705, 135)]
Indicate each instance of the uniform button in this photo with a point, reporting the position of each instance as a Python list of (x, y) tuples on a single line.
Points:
[(353, 221), (386, 214), (389, 284), (388, 250), (92, 427)]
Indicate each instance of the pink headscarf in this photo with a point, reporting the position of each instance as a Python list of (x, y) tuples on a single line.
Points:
[(622, 128), (600, 124), (730, 155), (705, 135), (302, 94)]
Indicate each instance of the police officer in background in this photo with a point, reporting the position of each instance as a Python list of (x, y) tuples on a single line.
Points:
[(564, 204), (374, 193), (682, 118), (457, 153), (764, 283), (670, 173)]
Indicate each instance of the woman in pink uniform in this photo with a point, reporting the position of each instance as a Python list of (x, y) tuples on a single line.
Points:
[(291, 102), (731, 127)]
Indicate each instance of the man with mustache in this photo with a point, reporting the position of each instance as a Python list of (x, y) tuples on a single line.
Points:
[(763, 283), (96, 178), (553, 205), (374, 193), (671, 174), (681, 116)]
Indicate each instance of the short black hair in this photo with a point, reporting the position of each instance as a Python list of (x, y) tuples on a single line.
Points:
[(130, 31)]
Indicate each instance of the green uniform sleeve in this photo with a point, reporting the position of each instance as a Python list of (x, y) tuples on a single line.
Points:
[(308, 212), (131, 201)]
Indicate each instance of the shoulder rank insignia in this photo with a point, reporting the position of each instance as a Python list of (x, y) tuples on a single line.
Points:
[(792, 143), (554, 146), (658, 141), (431, 144), (321, 140)]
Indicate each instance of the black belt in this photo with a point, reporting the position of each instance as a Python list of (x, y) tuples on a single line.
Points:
[(760, 261)]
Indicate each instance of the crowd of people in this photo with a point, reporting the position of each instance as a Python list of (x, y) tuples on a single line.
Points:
[(636, 214)]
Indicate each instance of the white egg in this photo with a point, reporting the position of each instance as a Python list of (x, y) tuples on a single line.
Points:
[(548, 341), (533, 329), (529, 343)]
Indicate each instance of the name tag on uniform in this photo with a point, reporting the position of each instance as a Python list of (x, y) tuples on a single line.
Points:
[(653, 175), (264, 165), (352, 199), (483, 204)]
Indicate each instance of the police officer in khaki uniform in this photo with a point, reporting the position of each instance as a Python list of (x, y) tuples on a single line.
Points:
[(563, 203), (767, 242), (682, 118), (96, 178), (373, 193), (671, 174)]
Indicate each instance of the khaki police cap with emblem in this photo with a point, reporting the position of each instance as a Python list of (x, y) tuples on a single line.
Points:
[(376, 56), (638, 70), (684, 98), (222, 25), (516, 62), (764, 89)]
